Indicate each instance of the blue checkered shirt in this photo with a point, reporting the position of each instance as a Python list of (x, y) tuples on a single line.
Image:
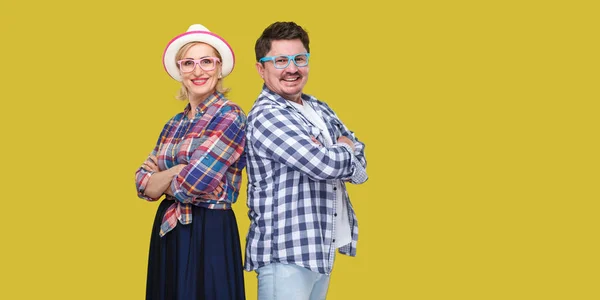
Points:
[(292, 182)]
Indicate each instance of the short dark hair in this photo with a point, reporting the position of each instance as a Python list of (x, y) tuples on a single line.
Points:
[(279, 31)]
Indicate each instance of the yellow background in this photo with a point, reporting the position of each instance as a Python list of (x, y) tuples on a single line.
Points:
[(480, 120)]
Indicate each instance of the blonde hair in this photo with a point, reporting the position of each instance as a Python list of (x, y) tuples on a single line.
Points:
[(183, 92)]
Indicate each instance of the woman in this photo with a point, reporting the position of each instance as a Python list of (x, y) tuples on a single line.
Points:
[(197, 164)]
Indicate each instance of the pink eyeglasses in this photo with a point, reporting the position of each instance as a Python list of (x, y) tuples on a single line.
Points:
[(206, 63)]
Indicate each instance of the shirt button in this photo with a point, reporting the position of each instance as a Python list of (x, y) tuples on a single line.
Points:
[(334, 240), (335, 189), (335, 215)]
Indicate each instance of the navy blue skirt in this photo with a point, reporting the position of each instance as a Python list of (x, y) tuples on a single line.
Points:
[(201, 260)]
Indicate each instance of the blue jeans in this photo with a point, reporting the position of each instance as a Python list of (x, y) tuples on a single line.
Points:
[(278, 281)]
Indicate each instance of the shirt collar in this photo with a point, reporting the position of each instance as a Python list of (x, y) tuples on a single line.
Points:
[(210, 100)]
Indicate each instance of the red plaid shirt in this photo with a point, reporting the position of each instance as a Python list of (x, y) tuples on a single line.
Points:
[(211, 145)]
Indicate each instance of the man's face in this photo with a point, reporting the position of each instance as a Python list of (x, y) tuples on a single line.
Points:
[(289, 81)]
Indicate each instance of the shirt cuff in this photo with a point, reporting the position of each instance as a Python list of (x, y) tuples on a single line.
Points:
[(142, 188), (360, 173)]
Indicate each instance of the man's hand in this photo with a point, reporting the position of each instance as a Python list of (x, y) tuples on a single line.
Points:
[(315, 140), (347, 141)]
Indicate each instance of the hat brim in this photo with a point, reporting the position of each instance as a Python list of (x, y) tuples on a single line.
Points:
[(227, 56)]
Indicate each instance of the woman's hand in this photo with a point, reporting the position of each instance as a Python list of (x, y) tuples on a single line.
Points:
[(174, 171), (151, 164), (160, 182)]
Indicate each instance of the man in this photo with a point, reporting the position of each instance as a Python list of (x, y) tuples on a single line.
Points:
[(299, 157)]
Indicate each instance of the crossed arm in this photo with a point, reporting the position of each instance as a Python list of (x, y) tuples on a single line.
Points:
[(279, 135), (202, 177)]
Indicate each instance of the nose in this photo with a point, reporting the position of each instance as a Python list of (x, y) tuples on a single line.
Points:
[(197, 70), (291, 67)]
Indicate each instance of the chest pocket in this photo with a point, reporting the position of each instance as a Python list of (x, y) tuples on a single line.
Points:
[(196, 136), (335, 127), (316, 132)]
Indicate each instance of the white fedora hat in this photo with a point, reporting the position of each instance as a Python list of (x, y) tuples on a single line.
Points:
[(198, 33)]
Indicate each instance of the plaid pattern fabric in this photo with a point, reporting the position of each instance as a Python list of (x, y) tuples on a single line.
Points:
[(211, 144), (291, 184)]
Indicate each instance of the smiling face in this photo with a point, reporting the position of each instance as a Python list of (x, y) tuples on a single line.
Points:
[(288, 82), (199, 83)]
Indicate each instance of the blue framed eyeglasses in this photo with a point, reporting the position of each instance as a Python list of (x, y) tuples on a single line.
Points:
[(282, 61)]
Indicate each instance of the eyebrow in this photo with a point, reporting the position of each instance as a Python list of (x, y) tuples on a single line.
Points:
[(198, 58)]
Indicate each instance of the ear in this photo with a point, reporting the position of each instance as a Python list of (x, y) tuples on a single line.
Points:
[(261, 69)]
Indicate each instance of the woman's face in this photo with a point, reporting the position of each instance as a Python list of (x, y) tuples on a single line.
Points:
[(199, 83)]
